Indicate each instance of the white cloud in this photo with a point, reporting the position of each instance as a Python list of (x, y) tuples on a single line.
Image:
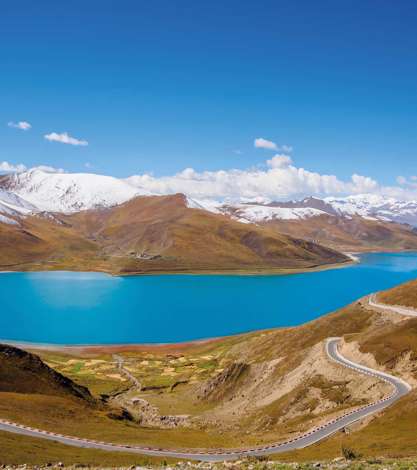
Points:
[(10, 168), (261, 143), (281, 179), (64, 138), (23, 125), (279, 161)]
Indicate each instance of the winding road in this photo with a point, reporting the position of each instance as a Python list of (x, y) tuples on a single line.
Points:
[(409, 312), (399, 389)]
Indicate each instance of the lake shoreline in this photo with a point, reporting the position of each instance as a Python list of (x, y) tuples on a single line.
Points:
[(227, 272), (353, 258), (120, 347)]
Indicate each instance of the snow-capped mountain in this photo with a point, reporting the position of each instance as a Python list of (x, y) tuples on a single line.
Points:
[(13, 207), (253, 213), (376, 206), (66, 192), (37, 190), (367, 206)]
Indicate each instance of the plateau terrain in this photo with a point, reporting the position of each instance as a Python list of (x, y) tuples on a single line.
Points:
[(235, 392)]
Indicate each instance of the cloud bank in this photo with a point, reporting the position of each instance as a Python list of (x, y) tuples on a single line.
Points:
[(65, 138), (279, 179)]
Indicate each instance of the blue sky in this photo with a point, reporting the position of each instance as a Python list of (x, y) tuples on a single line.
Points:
[(165, 85)]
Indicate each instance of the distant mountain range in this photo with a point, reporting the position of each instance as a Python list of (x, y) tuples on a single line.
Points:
[(39, 190), (112, 217)]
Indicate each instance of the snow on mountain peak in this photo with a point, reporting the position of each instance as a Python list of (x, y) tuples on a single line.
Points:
[(267, 213), (13, 205), (376, 206), (39, 190), (70, 192)]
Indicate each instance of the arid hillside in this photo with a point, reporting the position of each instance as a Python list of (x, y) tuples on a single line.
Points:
[(350, 233), (23, 372), (153, 234), (404, 294)]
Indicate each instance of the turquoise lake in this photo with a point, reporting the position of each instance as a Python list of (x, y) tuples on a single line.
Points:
[(90, 308)]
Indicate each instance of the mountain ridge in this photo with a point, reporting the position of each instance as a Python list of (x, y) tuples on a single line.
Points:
[(354, 223), (153, 234), (73, 192)]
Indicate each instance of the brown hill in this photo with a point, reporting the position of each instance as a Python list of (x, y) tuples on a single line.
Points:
[(24, 372), (38, 242), (161, 231), (349, 233), (404, 295), (153, 234)]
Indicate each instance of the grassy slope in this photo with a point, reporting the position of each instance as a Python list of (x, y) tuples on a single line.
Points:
[(178, 238), (405, 294), (391, 434), (18, 450)]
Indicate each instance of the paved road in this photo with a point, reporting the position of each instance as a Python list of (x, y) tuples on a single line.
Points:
[(399, 389), (409, 312)]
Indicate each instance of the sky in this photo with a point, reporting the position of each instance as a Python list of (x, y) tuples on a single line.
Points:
[(194, 90)]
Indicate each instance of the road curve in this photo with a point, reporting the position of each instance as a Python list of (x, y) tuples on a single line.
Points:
[(399, 386), (409, 312)]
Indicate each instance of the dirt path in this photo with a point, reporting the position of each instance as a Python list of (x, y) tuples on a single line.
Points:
[(122, 369)]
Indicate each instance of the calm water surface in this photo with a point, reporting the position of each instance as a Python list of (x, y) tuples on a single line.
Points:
[(79, 308)]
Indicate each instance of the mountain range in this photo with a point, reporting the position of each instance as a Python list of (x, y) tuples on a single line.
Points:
[(58, 218), (40, 190)]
